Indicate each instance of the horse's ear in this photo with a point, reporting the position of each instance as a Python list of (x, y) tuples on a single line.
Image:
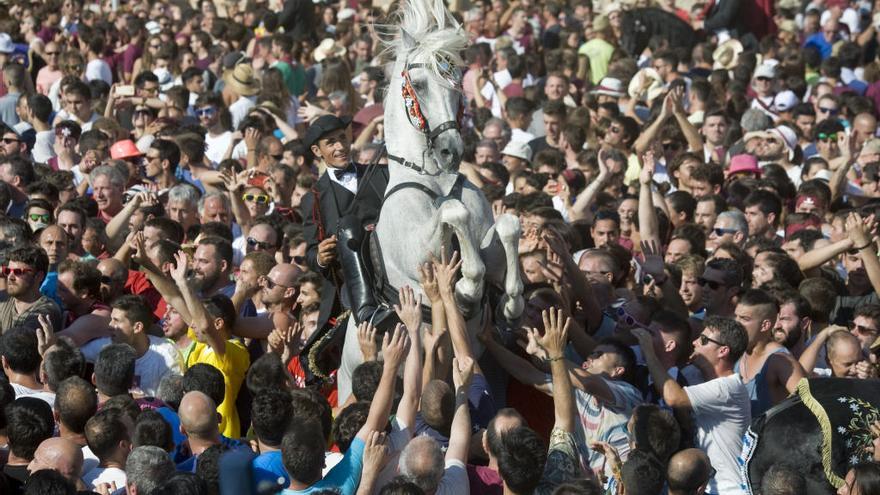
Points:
[(407, 39)]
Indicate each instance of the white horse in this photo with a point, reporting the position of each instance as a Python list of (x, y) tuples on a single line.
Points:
[(427, 201)]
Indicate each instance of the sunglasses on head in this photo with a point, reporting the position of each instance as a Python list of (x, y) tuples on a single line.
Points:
[(830, 111), (5, 271), (77, 68), (705, 339), (672, 146), (827, 137), (627, 318), (258, 244), (711, 283), (36, 217), (258, 198)]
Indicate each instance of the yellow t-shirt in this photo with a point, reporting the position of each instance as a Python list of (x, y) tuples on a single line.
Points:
[(234, 365)]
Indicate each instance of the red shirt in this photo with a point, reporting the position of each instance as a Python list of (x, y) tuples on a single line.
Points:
[(139, 285), (329, 390)]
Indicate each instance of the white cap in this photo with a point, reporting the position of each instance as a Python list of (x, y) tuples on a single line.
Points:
[(6, 45), (518, 149), (785, 101), (153, 27), (765, 70), (609, 86), (344, 14)]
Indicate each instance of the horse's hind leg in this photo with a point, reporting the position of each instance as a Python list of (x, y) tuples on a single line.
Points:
[(469, 289), (508, 229)]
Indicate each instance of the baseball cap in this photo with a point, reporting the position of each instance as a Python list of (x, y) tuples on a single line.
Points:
[(765, 70), (518, 150), (785, 101)]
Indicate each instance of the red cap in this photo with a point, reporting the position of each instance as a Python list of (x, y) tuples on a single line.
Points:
[(124, 149)]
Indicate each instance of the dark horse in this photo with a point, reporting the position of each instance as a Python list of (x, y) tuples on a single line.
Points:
[(821, 431), (639, 25)]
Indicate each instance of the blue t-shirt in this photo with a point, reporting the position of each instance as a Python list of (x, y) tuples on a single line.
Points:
[(269, 471), (345, 476), (172, 419), (186, 462)]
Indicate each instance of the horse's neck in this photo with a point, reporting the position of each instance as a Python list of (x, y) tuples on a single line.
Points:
[(441, 183)]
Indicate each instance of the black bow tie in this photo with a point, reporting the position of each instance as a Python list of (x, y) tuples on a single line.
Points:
[(340, 172)]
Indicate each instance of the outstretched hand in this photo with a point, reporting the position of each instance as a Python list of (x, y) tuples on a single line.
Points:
[(394, 347), (178, 271), (366, 334), (410, 309), (653, 263), (45, 334), (446, 271), (429, 282)]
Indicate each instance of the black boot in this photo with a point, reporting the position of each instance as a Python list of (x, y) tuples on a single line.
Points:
[(356, 279)]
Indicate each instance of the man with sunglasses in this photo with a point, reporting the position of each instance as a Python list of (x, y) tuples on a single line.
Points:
[(720, 406), (24, 271), (721, 282), (730, 226), (827, 134), (160, 164), (278, 292)]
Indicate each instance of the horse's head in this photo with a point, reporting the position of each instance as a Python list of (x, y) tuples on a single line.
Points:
[(428, 96)]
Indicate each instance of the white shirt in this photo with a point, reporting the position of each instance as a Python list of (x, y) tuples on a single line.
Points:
[(216, 146), (240, 109), (43, 146), (520, 136), (349, 180), (161, 358), (99, 475), (98, 69), (722, 413), (22, 391)]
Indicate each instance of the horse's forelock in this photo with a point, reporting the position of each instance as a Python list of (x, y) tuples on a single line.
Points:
[(439, 38)]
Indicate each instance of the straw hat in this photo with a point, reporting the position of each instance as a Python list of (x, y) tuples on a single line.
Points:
[(242, 80), (328, 49), (726, 55), (645, 85)]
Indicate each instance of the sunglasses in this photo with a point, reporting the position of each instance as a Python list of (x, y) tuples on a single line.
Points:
[(11, 140), (5, 271), (827, 137), (627, 318), (270, 284), (830, 111), (205, 112), (595, 354), (107, 280), (721, 231), (36, 217), (259, 244), (157, 46), (861, 329), (259, 198), (673, 146), (705, 339), (711, 283), (277, 158)]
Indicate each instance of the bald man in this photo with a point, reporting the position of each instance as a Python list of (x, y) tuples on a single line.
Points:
[(114, 274), (845, 357), (58, 454), (689, 472), (55, 241), (199, 422), (279, 292)]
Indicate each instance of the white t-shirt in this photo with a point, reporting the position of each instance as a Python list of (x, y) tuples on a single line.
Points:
[(43, 146), (100, 475), (240, 109), (722, 413), (161, 358), (98, 69), (22, 391), (216, 146)]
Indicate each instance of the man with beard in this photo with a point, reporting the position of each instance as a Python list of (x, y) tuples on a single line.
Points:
[(130, 319), (778, 145), (212, 267), (792, 322), (714, 130), (25, 269)]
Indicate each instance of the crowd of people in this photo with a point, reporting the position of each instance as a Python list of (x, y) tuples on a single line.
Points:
[(185, 187)]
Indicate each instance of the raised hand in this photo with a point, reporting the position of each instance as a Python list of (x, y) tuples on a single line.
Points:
[(646, 175), (653, 263), (533, 347), (462, 372), (445, 271), (375, 453), (45, 334), (178, 271), (646, 342), (410, 309), (429, 282), (284, 341), (857, 230), (394, 347), (555, 335), (366, 334), (252, 137)]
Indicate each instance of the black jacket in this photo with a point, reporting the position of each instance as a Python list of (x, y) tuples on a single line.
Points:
[(334, 202)]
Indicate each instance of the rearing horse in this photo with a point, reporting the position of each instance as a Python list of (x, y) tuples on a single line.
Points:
[(427, 201)]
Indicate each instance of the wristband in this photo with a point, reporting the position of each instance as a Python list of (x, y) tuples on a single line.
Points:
[(863, 247), (557, 358)]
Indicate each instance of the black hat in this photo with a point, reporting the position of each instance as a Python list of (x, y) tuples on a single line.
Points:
[(321, 126)]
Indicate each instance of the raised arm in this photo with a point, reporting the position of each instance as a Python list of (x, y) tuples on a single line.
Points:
[(394, 348), (585, 198), (654, 266), (234, 188), (672, 392), (460, 432), (164, 285), (580, 288), (860, 232), (200, 321), (119, 223), (445, 271), (521, 369), (811, 353), (436, 355), (647, 137), (818, 256), (649, 229), (410, 313), (691, 134), (554, 341)]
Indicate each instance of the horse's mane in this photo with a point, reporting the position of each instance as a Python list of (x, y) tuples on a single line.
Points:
[(439, 37)]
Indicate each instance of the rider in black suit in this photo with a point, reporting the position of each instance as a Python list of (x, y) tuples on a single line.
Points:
[(334, 230)]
